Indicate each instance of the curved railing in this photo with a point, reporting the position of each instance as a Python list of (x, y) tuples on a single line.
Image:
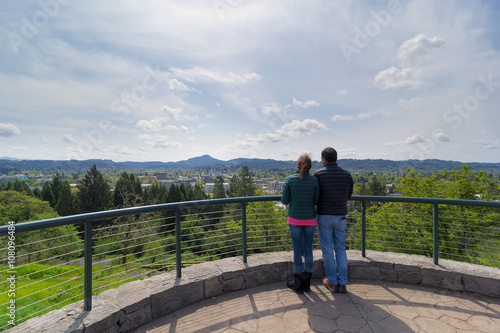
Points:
[(44, 257)]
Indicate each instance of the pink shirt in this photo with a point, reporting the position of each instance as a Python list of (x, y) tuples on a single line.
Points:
[(291, 220)]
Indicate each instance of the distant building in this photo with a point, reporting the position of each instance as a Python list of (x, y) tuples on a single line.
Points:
[(209, 187), (161, 176), (168, 183), (208, 179), (6, 179), (276, 185)]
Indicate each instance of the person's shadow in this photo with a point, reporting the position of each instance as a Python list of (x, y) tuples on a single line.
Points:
[(349, 312)]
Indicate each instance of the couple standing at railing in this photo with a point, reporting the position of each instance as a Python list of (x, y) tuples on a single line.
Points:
[(328, 189)]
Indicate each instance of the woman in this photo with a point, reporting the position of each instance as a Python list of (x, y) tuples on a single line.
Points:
[(301, 191)]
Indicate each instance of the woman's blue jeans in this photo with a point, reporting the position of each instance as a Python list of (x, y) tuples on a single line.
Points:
[(302, 241)]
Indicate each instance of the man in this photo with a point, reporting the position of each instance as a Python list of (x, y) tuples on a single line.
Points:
[(335, 188)]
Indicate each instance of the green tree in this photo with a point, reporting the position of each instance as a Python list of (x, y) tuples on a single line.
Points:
[(128, 192), (267, 227), (47, 194), (52, 245), (465, 232), (56, 187), (219, 191), (155, 194), (94, 192), (67, 203), (19, 186), (174, 194), (242, 184)]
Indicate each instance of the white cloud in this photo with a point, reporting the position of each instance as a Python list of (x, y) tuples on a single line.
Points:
[(288, 131), (167, 145), (411, 104), (42, 139), (68, 139), (122, 150), (411, 140), (153, 125), (176, 113), (441, 137), (417, 138), (199, 74), (360, 116), (394, 78), (20, 148), (410, 53), (490, 144), (177, 85), (417, 48), (306, 104), (9, 130), (160, 141), (343, 91), (270, 108)]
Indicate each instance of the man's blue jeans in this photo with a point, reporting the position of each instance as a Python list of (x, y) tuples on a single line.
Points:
[(332, 233), (302, 240)]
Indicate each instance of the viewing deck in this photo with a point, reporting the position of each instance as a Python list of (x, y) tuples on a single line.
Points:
[(369, 306), (415, 265), (386, 293)]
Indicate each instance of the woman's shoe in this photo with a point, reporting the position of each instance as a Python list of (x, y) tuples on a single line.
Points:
[(296, 284), (306, 281)]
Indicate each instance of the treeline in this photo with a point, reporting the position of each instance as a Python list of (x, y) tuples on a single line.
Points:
[(18, 203), (211, 230), (94, 193), (466, 233)]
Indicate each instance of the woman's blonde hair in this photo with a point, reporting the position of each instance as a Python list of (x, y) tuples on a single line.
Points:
[(304, 164)]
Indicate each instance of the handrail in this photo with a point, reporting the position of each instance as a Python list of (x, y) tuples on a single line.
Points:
[(73, 219), (89, 218)]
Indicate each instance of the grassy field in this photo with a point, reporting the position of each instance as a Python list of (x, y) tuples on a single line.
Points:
[(43, 288)]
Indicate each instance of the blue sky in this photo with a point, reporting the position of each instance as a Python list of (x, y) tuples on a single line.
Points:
[(169, 80)]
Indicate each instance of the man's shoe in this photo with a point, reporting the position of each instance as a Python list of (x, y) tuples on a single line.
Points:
[(330, 286), (342, 289)]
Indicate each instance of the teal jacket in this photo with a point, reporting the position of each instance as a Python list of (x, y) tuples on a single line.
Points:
[(302, 195)]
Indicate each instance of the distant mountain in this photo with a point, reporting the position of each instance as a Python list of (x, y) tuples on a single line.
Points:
[(199, 162), (10, 158), (206, 161)]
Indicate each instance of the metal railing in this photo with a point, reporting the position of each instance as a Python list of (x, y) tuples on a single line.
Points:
[(120, 245)]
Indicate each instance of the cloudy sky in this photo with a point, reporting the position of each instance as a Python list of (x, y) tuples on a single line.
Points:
[(170, 80)]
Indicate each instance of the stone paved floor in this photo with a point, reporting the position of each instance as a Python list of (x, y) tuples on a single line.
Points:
[(369, 306)]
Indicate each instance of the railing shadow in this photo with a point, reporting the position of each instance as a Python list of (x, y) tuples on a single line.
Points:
[(369, 306)]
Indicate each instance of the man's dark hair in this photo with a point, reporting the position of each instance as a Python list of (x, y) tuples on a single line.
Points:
[(329, 154)]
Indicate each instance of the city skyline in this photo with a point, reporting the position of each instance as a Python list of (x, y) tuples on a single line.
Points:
[(169, 81)]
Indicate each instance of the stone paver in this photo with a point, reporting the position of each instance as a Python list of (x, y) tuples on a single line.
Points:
[(369, 306)]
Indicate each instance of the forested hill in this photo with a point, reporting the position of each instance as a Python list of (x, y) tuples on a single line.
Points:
[(208, 162)]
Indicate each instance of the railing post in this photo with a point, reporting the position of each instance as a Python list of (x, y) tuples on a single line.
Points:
[(363, 228), (244, 229), (178, 252), (435, 233), (87, 277)]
